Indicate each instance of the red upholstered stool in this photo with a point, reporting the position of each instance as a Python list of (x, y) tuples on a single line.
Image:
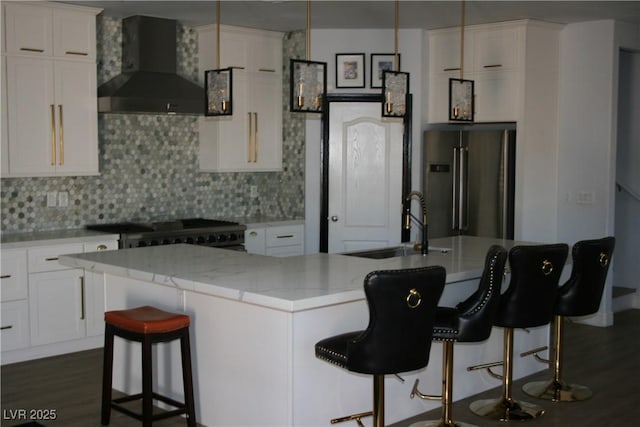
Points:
[(147, 325)]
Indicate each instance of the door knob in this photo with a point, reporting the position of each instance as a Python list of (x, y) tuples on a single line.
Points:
[(334, 218)]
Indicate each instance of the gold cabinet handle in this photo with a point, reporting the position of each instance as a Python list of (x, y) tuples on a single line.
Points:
[(250, 140), (70, 52), (267, 70), (2, 328), (60, 135), (82, 298), (53, 135), (255, 139), (53, 258), (5, 276), (31, 49)]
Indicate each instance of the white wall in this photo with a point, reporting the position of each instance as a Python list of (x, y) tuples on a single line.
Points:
[(587, 135), (324, 46)]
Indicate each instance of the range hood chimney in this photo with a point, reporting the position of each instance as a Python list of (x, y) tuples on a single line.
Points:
[(148, 82)]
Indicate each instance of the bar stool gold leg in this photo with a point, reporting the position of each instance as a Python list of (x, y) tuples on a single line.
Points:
[(447, 393), (506, 408), (556, 389)]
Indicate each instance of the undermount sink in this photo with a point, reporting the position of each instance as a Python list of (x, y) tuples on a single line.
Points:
[(392, 252)]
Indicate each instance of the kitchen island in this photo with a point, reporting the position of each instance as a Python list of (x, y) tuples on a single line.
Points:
[(255, 320)]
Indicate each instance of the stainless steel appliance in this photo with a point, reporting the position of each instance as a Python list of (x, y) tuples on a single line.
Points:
[(469, 180), (197, 231)]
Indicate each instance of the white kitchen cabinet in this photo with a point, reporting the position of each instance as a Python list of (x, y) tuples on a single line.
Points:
[(94, 291), (14, 326), (250, 139), (491, 59), (50, 31), (51, 92), (275, 240), (49, 308)]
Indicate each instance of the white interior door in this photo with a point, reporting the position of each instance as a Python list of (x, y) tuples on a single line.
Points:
[(365, 177)]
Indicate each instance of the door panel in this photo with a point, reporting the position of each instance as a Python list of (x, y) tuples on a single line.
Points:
[(365, 178)]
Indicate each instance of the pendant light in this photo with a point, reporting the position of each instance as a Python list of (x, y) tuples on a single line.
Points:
[(461, 96), (395, 84), (219, 82), (308, 79)]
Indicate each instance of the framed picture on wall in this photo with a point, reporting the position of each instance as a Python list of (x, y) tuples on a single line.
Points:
[(381, 62), (350, 70)]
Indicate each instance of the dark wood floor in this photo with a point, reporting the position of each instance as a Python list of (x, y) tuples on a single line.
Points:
[(606, 359)]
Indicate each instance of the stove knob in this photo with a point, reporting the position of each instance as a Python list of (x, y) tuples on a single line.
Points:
[(200, 240), (211, 238), (190, 240), (222, 238), (177, 240), (233, 236), (142, 244), (165, 242), (154, 243)]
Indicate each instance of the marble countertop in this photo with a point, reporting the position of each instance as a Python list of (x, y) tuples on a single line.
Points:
[(53, 237), (289, 284)]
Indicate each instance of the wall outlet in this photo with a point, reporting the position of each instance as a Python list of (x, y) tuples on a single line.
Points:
[(63, 199), (52, 199), (586, 197), (253, 191)]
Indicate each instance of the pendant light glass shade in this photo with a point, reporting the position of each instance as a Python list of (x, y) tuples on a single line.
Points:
[(461, 100), (395, 89), (308, 85), (219, 92)]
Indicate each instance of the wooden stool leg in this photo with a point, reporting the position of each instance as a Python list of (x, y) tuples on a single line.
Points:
[(147, 382), (107, 375), (187, 379)]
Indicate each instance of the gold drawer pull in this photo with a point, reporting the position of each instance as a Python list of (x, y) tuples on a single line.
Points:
[(493, 66), (53, 134), (60, 134), (70, 52), (452, 69), (2, 328), (5, 276), (55, 258), (30, 49), (285, 236), (267, 70)]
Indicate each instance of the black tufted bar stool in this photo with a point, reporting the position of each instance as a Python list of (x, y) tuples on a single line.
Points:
[(471, 321), (402, 307), (579, 296), (147, 325), (527, 302)]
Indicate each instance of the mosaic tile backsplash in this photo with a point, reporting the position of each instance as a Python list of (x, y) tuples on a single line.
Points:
[(149, 163)]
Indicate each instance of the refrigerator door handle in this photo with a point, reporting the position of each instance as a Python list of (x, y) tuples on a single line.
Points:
[(454, 211), (463, 192)]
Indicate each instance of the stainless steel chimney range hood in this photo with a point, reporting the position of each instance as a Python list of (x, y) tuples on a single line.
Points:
[(148, 82)]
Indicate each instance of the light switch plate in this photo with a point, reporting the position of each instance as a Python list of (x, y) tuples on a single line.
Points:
[(63, 199), (52, 199)]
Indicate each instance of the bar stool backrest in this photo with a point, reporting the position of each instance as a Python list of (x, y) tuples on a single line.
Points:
[(402, 306), (581, 294), (530, 298), (477, 313)]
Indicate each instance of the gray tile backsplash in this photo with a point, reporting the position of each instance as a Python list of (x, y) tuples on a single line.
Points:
[(149, 164)]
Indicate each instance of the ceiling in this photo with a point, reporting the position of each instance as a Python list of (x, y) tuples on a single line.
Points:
[(288, 15)]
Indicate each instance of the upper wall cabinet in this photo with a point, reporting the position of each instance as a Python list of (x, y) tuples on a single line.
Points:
[(251, 139), (491, 59), (50, 101)]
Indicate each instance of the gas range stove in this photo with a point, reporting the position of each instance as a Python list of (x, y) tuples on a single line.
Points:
[(197, 231)]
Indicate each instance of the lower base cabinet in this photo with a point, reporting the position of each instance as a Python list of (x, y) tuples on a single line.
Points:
[(274, 239), (63, 310)]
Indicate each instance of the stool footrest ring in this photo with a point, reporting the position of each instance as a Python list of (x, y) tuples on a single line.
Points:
[(180, 407), (415, 392)]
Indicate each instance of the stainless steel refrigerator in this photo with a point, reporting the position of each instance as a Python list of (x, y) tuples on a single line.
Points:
[(469, 180)]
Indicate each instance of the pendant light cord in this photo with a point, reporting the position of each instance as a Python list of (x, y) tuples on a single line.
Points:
[(308, 29), (218, 34), (395, 49), (462, 41)]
